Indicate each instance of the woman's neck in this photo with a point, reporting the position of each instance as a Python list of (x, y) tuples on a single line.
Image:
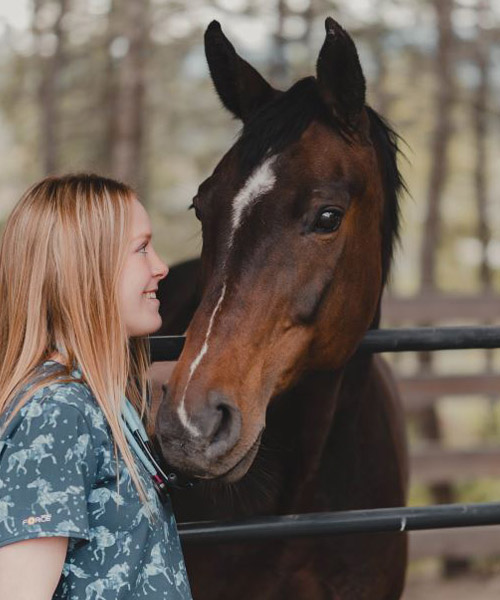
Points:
[(57, 357)]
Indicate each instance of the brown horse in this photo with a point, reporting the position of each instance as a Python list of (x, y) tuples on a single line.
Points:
[(270, 403)]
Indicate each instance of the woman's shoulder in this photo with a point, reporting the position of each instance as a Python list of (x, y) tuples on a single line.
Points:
[(67, 393), (68, 387)]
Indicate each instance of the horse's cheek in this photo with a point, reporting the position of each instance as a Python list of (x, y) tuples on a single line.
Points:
[(350, 307)]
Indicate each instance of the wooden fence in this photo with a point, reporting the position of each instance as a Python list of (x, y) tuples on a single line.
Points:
[(432, 463)]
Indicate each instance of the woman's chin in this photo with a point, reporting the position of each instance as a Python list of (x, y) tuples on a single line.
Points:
[(146, 328)]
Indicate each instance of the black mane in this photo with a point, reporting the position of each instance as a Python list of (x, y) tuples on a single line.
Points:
[(282, 121), (386, 141)]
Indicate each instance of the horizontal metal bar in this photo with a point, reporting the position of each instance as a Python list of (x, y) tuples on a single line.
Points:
[(356, 521), (380, 340), (431, 338), (166, 347)]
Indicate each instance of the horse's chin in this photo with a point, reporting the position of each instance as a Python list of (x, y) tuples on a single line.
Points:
[(232, 469), (224, 475), (239, 470)]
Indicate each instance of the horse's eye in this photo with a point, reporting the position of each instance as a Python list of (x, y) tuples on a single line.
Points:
[(328, 220)]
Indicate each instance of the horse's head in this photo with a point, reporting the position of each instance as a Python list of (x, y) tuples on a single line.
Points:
[(298, 222)]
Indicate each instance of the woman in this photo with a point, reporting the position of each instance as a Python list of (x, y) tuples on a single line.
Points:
[(79, 514)]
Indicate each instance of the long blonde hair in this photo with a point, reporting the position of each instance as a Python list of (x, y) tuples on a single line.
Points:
[(61, 257)]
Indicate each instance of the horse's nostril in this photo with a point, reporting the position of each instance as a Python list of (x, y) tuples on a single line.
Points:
[(222, 424), (223, 429)]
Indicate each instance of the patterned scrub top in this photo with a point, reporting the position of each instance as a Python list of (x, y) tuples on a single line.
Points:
[(58, 478)]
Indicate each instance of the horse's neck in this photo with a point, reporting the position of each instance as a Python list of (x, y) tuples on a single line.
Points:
[(282, 479), (320, 398), (314, 400)]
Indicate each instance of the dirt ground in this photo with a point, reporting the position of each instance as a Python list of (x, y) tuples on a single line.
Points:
[(471, 587)]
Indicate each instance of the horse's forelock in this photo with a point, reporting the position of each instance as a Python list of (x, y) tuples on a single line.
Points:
[(281, 122)]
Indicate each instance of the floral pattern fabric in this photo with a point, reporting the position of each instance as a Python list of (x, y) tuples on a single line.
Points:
[(58, 477)]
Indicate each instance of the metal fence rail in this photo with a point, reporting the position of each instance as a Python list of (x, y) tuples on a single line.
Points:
[(169, 347), (374, 520), (334, 523)]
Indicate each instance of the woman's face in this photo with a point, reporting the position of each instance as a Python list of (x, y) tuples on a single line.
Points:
[(139, 280)]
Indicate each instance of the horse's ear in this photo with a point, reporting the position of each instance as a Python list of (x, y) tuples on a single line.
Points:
[(240, 87), (340, 77)]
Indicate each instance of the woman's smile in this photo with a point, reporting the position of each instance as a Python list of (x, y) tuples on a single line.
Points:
[(151, 296), (143, 268)]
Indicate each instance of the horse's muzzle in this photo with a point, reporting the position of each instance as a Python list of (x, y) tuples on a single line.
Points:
[(199, 441)]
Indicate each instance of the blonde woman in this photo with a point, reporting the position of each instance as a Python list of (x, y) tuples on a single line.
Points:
[(79, 514)]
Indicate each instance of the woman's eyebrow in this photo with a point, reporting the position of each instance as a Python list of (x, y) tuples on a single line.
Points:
[(143, 236)]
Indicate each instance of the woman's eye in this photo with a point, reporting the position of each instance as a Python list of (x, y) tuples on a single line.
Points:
[(142, 249), (328, 220)]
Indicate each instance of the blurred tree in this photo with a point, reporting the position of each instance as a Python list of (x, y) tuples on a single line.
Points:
[(50, 46), (279, 64), (126, 101), (481, 55), (293, 50), (445, 90), (109, 89), (377, 38), (442, 492), (481, 49)]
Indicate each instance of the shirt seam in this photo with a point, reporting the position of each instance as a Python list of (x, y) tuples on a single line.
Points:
[(40, 534)]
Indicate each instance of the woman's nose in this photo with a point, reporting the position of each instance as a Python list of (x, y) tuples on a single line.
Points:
[(161, 269), (158, 267)]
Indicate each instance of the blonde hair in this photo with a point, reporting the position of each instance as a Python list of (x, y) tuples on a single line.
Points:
[(61, 257)]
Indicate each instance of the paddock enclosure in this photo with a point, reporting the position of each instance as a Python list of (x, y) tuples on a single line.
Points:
[(153, 120), (466, 534)]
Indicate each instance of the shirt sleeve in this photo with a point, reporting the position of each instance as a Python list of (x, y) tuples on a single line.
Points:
[(46, 474)]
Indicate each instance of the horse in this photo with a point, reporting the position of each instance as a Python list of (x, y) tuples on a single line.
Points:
[(271, 406)]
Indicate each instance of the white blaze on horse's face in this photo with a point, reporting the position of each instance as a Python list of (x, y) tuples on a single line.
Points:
[(181, 411), (260, 182)]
